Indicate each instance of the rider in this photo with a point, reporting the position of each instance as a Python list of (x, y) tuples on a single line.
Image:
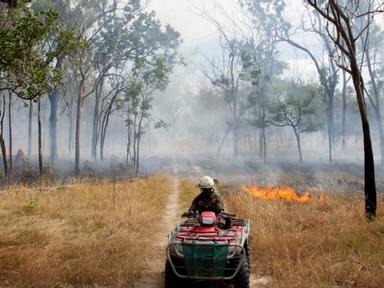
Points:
[(208, 199)]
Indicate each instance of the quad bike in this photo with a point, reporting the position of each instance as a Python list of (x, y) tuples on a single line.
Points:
[(210, 248)]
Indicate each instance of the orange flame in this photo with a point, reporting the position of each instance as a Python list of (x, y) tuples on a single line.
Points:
[(271, 192)]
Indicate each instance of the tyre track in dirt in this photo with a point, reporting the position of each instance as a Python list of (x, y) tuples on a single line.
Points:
[(153, 275)]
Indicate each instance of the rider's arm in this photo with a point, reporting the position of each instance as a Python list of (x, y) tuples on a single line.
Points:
[(194, 205), (219, 203)]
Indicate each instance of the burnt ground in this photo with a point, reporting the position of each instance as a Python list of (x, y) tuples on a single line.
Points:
[(342, 177), (345, 178)]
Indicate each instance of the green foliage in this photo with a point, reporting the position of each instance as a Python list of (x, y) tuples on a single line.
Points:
[(268, 15), (30, 44), (161, 124), (297, 107)]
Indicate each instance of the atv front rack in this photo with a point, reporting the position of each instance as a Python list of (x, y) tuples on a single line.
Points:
[(206, 261)]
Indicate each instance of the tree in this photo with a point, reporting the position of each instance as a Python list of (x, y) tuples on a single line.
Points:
[(113, 50), (226, 75), (147, 77), (141, 44), (14, 3), (271, 16), (261, 68), (339, 19), (30, 44), (83, 64), (297, 108)]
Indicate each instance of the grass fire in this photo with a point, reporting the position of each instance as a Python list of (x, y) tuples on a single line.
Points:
[(284, 193)]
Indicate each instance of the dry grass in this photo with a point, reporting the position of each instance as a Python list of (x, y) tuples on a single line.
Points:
[(313, 244), (189, 191), (309, 245), (87, 235)]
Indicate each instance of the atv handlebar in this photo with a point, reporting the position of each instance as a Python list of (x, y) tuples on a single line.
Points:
[(227, 214), (194, 214), (189, 214)]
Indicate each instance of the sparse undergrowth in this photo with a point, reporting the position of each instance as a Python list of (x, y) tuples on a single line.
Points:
[(86, 235), (313, 244)]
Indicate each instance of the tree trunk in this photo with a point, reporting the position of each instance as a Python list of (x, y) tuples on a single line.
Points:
[(235, 141), (137, 163), (369, 163), (96, 120), (2, 142), (102, 141), (330, 126), (10, 134), (30, 129), (39, 135), (222, 142), (264, 137), (103, 133), (4, 154), (329, 140), (331, 130), (297, 134), (128, 144), (104, 125), (261, 145), (344, 111), (78, 125), (134, 141), (53, 99), (70, 130)]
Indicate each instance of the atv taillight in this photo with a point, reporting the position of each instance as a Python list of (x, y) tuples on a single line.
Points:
[(207, 221), (208, 218)]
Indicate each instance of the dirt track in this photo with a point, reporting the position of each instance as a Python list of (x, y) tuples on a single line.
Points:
[(153, 276)]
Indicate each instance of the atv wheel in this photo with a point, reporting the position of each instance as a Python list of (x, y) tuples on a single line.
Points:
[(170, 278), (246, 248), (242, 278)]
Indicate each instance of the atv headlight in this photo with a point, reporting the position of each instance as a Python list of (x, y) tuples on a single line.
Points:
[(233, 251), (177, 250)]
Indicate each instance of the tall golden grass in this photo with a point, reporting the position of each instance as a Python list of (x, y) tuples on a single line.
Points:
[(313, 244), (188, 191), (87, 235)]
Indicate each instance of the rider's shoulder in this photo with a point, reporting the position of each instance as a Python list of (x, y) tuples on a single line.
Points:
[(217, 194)]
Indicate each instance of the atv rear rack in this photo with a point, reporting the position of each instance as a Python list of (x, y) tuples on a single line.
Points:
[(195, 222), (206, 261)]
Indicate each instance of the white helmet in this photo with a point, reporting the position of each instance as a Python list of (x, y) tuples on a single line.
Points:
[(206, 182)]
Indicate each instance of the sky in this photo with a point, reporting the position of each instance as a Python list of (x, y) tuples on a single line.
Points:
[(200, 38)]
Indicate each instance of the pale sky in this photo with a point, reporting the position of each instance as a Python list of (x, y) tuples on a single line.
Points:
[(200, 38)]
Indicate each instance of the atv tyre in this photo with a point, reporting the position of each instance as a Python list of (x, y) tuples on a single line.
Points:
[(170, 278), (247, 252), (242, 279)]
